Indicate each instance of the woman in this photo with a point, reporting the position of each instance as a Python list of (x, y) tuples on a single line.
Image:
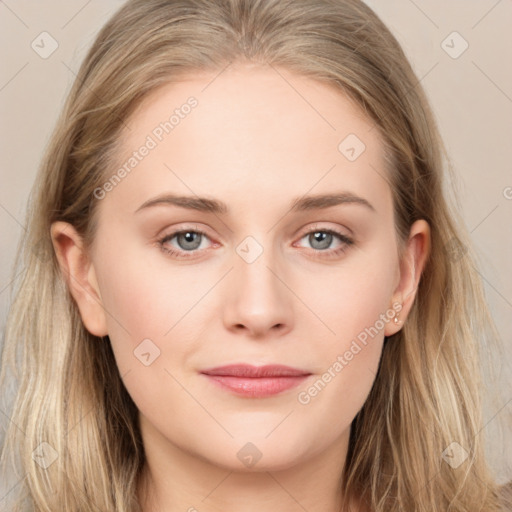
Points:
[(243, 293)]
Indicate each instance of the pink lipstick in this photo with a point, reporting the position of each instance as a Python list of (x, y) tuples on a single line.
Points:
[(256, 381)]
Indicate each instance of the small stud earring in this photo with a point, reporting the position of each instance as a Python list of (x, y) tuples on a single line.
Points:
[(396, 320)]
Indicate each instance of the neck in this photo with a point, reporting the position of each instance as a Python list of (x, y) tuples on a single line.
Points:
[(176, 480)]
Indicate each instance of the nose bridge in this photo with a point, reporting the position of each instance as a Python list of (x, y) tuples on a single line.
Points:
[(259, 300)]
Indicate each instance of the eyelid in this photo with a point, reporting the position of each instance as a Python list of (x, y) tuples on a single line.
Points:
[(318, 226), (346, 240), (338, 231), (168, 234), (193, 227)]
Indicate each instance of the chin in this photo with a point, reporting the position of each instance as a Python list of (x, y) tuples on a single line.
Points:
[(258, 455)]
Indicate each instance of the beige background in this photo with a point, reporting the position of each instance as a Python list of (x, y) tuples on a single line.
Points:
[(471, 96)]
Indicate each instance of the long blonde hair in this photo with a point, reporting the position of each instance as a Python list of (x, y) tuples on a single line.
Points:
[(71, 403)]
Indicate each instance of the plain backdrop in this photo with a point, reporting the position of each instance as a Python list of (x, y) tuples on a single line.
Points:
[(460, 50)]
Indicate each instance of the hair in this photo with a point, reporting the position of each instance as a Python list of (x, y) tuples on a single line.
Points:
[(428, 390)]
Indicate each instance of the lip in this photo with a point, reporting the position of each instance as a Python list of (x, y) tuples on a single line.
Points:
[(256, 381)]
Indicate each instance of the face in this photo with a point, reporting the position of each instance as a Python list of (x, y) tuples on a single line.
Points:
[(254, 268)]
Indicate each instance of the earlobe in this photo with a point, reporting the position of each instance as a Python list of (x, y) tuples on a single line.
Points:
[(412, 264), (80, 276)]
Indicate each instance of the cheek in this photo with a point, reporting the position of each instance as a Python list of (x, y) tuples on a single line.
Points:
[(140, 305), (344, 380), (352, 296), (141, 289), (156, 312), (354, 303), (147, 324)]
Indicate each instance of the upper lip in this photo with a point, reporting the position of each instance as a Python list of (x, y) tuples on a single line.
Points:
[(250, 371)]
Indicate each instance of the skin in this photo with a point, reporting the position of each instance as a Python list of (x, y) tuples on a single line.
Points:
[(255, 143)]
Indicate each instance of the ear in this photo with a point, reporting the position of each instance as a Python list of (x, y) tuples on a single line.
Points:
[(80, 276), (412, 264)]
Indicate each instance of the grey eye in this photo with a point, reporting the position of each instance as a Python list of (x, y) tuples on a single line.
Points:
[(188, 240), (320, 239)]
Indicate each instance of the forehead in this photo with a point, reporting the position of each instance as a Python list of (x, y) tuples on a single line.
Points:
[(253, 132)]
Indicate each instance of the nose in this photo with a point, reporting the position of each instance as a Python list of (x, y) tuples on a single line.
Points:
[(259, 302)]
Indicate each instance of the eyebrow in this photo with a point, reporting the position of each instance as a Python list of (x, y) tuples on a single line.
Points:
[(208, 205)]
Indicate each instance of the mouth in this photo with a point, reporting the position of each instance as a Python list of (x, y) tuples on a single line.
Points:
[(256, 381)]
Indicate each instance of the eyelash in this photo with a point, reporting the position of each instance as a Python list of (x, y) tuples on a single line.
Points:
[(329, 253)]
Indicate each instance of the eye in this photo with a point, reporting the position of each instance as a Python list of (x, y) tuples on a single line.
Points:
[(187, 241), (321, 241)]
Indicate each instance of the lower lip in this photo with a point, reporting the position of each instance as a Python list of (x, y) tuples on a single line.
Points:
[(257, 387)]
